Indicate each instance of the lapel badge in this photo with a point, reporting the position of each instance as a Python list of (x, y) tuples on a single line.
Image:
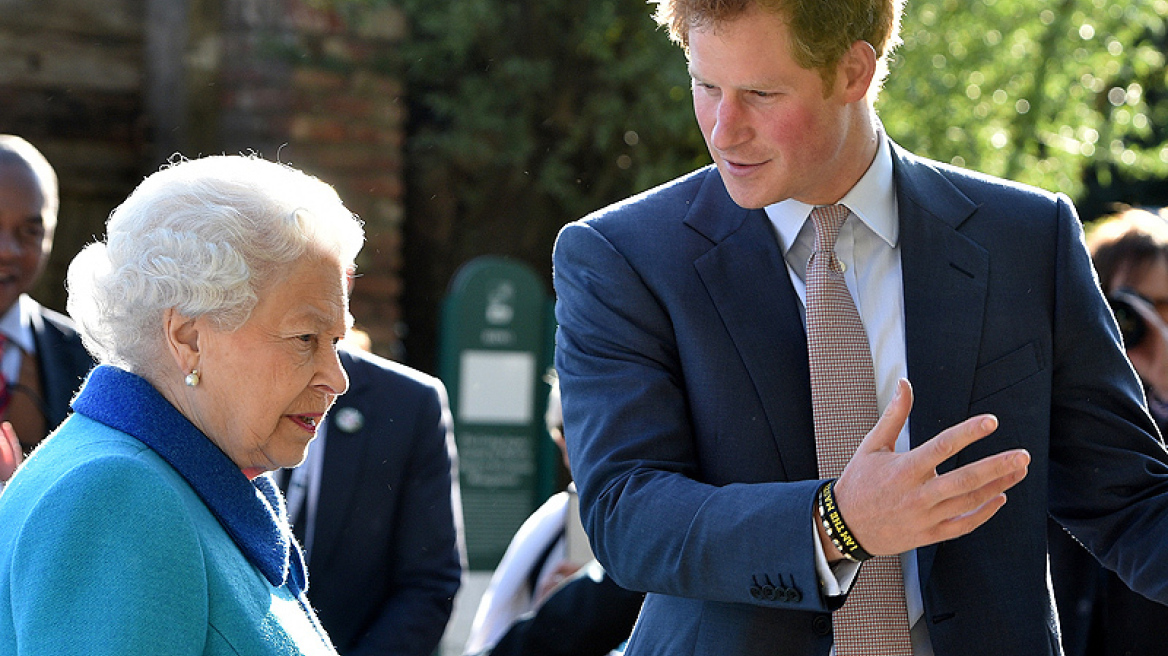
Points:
[(350, 420)]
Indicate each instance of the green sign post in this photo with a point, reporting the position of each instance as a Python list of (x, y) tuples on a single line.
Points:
[(495, 352)]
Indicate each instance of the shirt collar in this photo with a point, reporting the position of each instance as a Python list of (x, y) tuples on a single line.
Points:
[(872, 199), (16, 324)]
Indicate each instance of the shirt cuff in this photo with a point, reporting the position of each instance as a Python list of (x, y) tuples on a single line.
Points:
[(834, 580)]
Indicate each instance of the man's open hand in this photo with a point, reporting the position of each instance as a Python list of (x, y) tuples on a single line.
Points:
[(895, 502)]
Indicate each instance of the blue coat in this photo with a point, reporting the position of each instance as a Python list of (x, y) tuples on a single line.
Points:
[(129, 532), (683, 367)]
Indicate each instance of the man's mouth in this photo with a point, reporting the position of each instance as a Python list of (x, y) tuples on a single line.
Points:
[(741, 167)]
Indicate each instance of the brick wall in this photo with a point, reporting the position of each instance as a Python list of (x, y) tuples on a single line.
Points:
[(310, 87), (110, 90), (71, 82)]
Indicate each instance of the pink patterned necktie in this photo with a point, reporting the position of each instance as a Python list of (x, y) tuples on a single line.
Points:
[(874, 621)]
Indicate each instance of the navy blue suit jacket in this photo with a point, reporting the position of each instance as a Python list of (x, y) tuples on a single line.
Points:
[(386, 556), (63, 362), (683, 365)]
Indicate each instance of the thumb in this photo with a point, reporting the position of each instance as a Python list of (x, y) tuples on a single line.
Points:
[(883, 435), (10, 454)]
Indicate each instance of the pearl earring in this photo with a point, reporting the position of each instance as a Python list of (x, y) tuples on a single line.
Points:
[(192, 378)]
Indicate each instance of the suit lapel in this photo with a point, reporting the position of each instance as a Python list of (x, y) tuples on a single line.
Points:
[(48, 352), (747, 279), (62, 365), (945, 286)]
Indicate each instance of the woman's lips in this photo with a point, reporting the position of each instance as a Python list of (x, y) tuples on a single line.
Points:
[(308, 422)]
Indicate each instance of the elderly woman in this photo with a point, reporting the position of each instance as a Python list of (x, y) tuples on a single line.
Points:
[(143, 524)]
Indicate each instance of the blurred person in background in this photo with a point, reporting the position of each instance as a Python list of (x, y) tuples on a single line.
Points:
[(377, 508), (1098, 613), (143, 525), (42, 360), (549, 596)]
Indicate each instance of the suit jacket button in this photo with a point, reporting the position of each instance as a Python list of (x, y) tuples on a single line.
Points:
[(794, 595), (768, 592), (821, 625), (756, 592)]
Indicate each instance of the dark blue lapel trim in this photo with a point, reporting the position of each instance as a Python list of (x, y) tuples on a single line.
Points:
[(252, 512)]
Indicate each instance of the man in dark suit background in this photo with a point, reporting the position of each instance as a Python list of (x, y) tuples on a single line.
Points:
[(43, 361), (686, 374), (376, 507)]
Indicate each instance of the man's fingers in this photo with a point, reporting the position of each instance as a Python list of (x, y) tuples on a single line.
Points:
[(951, 441), (883, 435), (965, 513), (960, 525), (964, 490)]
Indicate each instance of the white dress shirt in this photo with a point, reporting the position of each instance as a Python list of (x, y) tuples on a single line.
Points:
[(868, 247), (304, 488), (16, 326)]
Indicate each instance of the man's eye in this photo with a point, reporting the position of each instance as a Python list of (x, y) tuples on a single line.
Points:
[(307, 339), (31, 233)]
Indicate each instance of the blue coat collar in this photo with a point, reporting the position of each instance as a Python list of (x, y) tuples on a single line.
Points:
[(252, 512)]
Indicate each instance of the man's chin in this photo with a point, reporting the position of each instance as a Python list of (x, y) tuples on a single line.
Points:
[(9, 294), (747, 197), (748, 193)]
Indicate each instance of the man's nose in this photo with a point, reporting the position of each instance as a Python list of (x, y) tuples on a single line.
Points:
[(730, 125), (10, 245)]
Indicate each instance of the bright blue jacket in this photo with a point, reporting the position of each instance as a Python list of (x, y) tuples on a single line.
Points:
[(129, 532)]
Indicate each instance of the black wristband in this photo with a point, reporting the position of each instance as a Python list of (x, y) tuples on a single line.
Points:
[(835, 526)]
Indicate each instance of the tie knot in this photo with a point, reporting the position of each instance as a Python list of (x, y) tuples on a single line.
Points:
[(827, 220)]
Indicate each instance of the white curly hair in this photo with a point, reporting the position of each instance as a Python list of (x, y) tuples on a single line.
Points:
[(206, 237)]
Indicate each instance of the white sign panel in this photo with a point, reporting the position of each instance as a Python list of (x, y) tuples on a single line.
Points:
[(496, 387)]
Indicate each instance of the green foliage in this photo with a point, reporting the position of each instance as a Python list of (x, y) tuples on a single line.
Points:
[(560, 106), (525, 115), (572, 105), (1044, 92)]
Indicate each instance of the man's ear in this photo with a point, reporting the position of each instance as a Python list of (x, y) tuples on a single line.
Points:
[(857, 69), (182, 339)]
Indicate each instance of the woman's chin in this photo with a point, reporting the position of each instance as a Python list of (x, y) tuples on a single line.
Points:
[(252, 472)]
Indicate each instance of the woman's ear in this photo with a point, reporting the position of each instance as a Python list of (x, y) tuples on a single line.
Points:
[(182, 339)]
